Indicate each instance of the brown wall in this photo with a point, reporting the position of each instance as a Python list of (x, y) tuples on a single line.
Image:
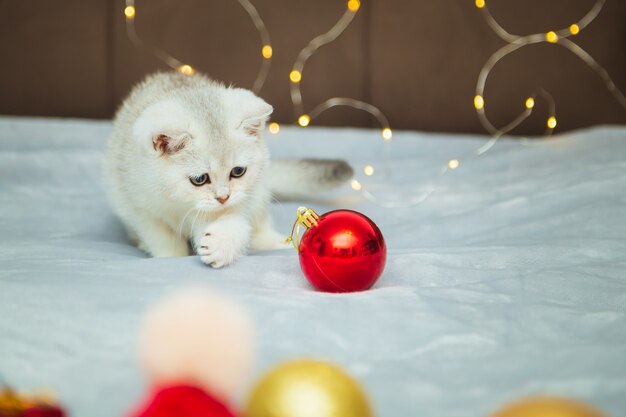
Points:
[(416, 60)]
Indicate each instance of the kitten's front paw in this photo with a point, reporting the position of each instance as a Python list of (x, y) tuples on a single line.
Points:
[(218, 250)]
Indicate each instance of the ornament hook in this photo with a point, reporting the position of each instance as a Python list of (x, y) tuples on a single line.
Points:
[(307, 217)]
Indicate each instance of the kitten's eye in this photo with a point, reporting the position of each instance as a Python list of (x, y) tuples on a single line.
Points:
[(237, 172), (200, 180)]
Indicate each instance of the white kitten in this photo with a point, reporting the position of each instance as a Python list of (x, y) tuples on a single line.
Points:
[(186, 163)]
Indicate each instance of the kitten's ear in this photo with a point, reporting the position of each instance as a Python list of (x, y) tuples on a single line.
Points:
[(254, 125), (162, 126), (249, 112), (168, 144)]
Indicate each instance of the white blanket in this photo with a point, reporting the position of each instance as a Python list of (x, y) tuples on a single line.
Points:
[(508, 280)]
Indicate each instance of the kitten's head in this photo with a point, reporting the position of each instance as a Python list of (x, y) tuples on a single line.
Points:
[(205, 146)]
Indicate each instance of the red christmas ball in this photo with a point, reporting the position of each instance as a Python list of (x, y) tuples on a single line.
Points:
[(181, 400), (344, 252)]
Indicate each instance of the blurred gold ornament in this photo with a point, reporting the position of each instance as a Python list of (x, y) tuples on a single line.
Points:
[(10, 401), (14, 404), (308, 388), (544, 406)]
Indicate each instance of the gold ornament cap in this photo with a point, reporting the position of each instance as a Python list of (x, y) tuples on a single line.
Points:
[(306, 217), (308, 388)]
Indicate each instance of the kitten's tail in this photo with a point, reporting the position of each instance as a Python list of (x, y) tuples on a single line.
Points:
[(297, 178)]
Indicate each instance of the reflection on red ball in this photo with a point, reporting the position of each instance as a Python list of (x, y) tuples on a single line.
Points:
[(345, 252)]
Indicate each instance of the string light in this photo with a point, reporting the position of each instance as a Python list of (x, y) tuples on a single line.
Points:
[(304, 120), (453, 163), (186, 69), (479, 102), (552, 37), (295, 76), (551, 122), (355, 185), (387, 134), (129, 11), (353, 5), (274, 128), (513, 43), (169, 60)]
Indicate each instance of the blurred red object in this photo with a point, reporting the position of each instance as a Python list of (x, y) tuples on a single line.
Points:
[(44, 411), (343, 252), (181, 401)]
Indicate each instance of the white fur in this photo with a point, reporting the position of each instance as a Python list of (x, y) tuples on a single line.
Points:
[(198, 338), (218, 128), (210, 129)]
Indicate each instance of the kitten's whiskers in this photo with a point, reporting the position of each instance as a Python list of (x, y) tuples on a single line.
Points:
[(179, 229)]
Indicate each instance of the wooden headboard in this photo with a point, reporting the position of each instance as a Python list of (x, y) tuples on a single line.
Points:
[(417, 60)]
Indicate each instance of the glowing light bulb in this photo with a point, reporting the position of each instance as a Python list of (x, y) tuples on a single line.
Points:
[(480, 3), (304, 120), (295, 76), (530, 103), (479, 102), (368, 170), (267, 51), (353, 5), (574, 29), (387, 134), (129, 11), (186, 69), (453, 163), (355, 185), (551, 122), (274, 128), (552, 37)]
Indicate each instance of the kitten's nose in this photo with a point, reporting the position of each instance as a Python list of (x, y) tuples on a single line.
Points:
[(223, 199)]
